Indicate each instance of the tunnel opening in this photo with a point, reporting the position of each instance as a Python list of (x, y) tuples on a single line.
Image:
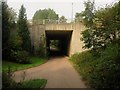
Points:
[(58, 42)]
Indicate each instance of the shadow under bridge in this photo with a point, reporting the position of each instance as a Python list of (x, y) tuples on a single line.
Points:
[(58, 42)]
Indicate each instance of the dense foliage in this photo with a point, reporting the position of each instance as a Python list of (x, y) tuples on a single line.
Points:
[(7, 23), (100, 65), (78, 17), (23, 29), (62, 19), (20, 56), (103, 25), (14, 45), (101, 71), (9, 83), (45, 14), (88, 20)]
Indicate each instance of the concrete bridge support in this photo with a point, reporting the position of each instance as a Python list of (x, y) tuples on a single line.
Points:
[(68, 33)]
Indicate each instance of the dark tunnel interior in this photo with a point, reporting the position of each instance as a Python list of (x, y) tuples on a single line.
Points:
[(58, 42)]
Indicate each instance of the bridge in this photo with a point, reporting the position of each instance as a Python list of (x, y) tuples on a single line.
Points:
[(68, 34)]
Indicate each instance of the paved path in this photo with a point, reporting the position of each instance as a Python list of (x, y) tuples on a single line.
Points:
[(58, 72)]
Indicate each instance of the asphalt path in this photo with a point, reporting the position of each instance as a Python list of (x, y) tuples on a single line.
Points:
[(58, 71)]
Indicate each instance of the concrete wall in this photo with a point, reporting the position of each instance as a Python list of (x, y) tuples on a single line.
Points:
[(37, 34), (76, 44), (37, 31), (63, 27)]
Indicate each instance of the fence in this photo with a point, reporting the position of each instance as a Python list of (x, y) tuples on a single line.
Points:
[(44, 21)]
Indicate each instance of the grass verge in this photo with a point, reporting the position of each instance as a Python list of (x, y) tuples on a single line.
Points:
[(35, 61), (35, 83)]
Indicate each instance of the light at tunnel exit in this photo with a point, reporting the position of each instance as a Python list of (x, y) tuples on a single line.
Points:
[(58, 42)]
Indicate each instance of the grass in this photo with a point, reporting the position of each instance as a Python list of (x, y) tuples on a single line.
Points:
[(35, 61), (35, 83)]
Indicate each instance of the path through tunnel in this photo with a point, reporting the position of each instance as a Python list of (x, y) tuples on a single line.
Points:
[(58, 42)]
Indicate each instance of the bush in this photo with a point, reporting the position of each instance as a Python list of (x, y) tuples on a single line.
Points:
[(41, 52), (82, 57), (20, 56), (84, 62), (107, 71), (15, 41), (7, 81), (101, 71)]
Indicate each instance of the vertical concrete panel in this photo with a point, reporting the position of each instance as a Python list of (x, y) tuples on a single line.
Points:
[(36, 32), (76, 43)]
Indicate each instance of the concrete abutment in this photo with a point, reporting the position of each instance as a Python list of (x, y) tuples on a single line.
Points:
[(68, 33)]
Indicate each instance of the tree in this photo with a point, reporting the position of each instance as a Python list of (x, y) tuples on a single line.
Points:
[(7, 24), (79, 17), (108, 24), (103, 26), (62, 19), (15, 41), (23, 29), (88, 19), (45, 14), (88, 14)]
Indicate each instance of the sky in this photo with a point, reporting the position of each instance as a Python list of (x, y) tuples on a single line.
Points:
[(61, 7)]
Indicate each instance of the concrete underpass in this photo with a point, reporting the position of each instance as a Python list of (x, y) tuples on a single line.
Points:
[(64, 42), (68, 35), (57, 70)]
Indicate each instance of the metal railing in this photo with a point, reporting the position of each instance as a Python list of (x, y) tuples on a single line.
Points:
[(45, 21)]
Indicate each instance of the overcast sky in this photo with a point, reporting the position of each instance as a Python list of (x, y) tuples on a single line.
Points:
[(61, 7)]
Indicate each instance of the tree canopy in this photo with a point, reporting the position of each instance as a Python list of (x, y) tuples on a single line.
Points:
[(8, 22), (23, 29), (62, 19), (48, 14), (79, 17), (102, 26)]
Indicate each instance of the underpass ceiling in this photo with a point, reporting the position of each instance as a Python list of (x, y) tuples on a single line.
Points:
[(55, 35)]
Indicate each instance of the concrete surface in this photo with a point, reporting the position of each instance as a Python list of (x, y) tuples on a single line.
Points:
[(38, 31), (58, 71)]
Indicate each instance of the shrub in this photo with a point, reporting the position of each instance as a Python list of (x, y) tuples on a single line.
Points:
[(101, 71), (41, 52), (15, 40), (84, 62), (107, 72), (82, 57), (7, 81), (20, 56)]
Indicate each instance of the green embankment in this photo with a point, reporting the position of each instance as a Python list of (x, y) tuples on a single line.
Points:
[(99, 71), (35, 61)]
